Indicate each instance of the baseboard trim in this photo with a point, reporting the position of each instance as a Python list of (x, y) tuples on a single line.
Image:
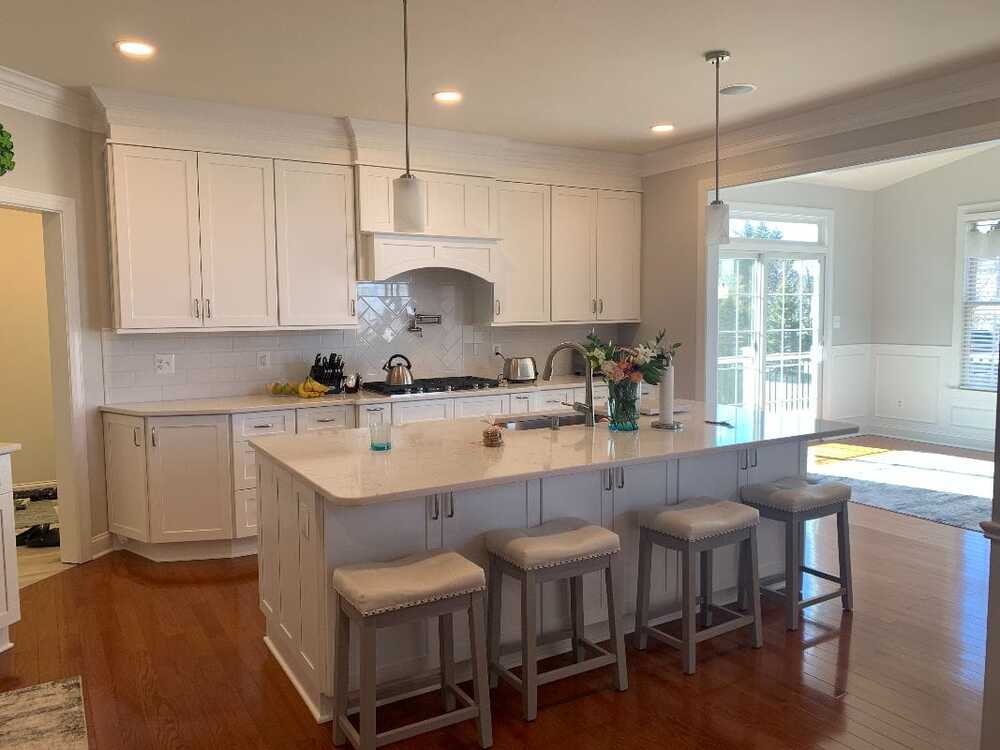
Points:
[(321, 713), (223, 549), (30, 486), (933, 437), (101, 545)]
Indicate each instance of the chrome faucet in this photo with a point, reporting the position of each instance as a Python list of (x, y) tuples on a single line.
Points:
[(586, 409)]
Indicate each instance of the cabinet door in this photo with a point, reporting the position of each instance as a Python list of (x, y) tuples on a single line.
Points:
[(574, 245), (190, 487), (157, 255), (125, 469), (580, 496), (551, 400), (637, 488), (10, 602), (423, 411), (374, 414), (481, 406), (520, 403), (317, 271), (522, 290), (239, 276), (619, 247), (245, 513), (324, 418)]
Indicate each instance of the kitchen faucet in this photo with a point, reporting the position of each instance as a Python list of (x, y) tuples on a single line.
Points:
[(587, 409)]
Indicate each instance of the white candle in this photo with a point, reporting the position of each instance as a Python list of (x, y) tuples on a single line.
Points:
[(667, 396)]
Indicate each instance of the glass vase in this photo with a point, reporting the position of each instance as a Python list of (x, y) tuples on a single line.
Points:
[(623, 406)]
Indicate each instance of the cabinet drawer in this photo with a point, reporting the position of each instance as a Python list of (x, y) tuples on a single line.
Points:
[(551, 400), (324, 418), (244, 466), (481, 406), (520, 403), (246, 426), (423, 411), (600, 395), (245, 513), (374, 414)]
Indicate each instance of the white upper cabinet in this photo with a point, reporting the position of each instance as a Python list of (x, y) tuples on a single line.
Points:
[(574, 247), (457, 205), (239, 275), (316, 250), (522, 288), (619, 246), (156, 252)]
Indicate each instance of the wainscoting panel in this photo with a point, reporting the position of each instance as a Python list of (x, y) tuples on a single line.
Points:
[(907, 385), (847, 383)]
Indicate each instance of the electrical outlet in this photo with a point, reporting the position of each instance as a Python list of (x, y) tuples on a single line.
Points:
[(163, 364), (263, 360)]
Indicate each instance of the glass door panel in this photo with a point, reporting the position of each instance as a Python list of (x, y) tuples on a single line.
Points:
[(739, 310)]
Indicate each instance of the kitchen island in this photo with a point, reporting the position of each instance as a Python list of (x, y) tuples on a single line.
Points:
[(327, 500)]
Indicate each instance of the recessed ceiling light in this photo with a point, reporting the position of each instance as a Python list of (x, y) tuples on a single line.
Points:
[(737, 89), (135, 49), (447, 97), (663, 127)]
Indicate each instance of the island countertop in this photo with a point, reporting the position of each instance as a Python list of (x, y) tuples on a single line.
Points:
[(433, 457)]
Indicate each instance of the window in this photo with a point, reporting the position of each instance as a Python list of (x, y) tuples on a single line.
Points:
[(748, 227), (980, 302)]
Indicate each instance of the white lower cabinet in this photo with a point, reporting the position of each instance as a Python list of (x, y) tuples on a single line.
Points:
[(481, 406), (10, 603), (125, 467), (324, 419), (600, 396), (374, 414), (189, 479), (423, 411), (245, 513), (520, 403), (244, 467), (551, 400)]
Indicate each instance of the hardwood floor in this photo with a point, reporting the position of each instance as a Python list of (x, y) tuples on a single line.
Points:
[(898, 444), (171, 657), (34, 565)]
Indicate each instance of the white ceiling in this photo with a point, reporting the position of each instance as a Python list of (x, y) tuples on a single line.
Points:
[(885, 173), (587, 73)]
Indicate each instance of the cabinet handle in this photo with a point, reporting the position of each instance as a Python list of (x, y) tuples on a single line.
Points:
[(753, 464), (600, 305), (621, 477), (208, 308), (326, 421), (153, 435), (611, 484), (135, 437), (593, 306), (744, 460), (354, 308), (498, 307), (436, 513), (373, 408), (197, 308), (263, 426), (451, 505)]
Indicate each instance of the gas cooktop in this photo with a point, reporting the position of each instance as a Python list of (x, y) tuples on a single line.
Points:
[(434, 385)]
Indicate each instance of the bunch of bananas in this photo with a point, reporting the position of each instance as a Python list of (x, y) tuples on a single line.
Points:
[(309, 389)]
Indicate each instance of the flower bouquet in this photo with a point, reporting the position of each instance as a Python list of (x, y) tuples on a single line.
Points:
[(624, 368)]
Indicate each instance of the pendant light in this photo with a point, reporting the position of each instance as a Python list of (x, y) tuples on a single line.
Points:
[(409, 193), (717, 212)]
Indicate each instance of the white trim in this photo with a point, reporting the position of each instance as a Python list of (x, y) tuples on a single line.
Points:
[(969, 86), (101, 545), (37, 97), (59, 227), (221, 549)]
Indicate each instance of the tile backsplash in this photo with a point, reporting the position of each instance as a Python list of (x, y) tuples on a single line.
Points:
[(227, 364)]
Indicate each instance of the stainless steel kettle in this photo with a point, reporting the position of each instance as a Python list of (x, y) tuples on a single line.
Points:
[(398, 374), (519, 369)]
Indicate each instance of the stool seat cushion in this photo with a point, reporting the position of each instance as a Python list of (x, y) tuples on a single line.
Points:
[(794, 494), (699, 518), (555, 542), (377, 587)]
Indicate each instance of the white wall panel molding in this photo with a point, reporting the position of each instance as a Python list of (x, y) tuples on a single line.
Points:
[(969, 86), (37, 97), (848, 383)]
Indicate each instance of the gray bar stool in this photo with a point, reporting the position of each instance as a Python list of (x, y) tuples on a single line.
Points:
[(376, 595), (558, 549), (696, 528), (793, 501)]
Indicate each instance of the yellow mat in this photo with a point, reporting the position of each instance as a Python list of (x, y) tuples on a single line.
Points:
[(825, 453)]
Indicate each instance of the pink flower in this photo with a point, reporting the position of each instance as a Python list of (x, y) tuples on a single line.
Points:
[(636, 376), (617, 374)]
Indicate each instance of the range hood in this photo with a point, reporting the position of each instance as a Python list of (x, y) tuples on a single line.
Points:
[(387, 254)]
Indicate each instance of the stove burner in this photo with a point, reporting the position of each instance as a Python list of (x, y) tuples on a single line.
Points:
[(433, 385)]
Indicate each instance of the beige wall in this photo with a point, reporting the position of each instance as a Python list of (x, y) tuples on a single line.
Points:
[(671, 288), (25, 379), (61, 160)]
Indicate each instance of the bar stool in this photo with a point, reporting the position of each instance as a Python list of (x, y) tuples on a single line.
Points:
[(376, 595), (695, 528), (555, 550), (793, 501)]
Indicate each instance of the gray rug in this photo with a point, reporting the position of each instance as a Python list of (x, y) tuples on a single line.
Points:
[(963, 511), (49, 716), (35, 513)]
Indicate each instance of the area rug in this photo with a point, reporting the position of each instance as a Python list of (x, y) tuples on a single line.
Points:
[(49, 716), (953, 490), (35, 513)]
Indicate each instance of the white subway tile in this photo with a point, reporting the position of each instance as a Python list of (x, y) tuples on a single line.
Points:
[(195, 361), (254, 343), (114, 344), (209, 342), (210, 375), (130, 362), (234, 359), (122, 379), (178, 377), (130, 395), (158, 343)]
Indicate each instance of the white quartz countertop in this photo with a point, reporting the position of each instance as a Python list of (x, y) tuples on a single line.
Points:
[(432, 457), (263, 402), (6, 448)]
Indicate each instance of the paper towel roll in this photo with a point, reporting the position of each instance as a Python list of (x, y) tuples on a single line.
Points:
[(667, 396)]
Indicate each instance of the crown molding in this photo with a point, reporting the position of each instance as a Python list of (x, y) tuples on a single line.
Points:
[(379, 143), (173, 122), (891, 105), (37, 97)]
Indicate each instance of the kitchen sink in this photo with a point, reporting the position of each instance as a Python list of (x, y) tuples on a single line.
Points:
[(540, 421)]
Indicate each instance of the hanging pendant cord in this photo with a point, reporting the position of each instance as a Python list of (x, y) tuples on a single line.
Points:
[(406, 88), (716, 63)]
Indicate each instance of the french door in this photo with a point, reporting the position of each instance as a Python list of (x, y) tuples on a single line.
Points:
[(770, 330)]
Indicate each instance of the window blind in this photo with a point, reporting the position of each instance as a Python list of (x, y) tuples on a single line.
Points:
[(981, 307)]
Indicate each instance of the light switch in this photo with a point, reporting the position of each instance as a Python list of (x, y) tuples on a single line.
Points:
[(163, 364)]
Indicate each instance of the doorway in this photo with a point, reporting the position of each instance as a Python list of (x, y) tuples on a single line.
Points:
[(771, 311)]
